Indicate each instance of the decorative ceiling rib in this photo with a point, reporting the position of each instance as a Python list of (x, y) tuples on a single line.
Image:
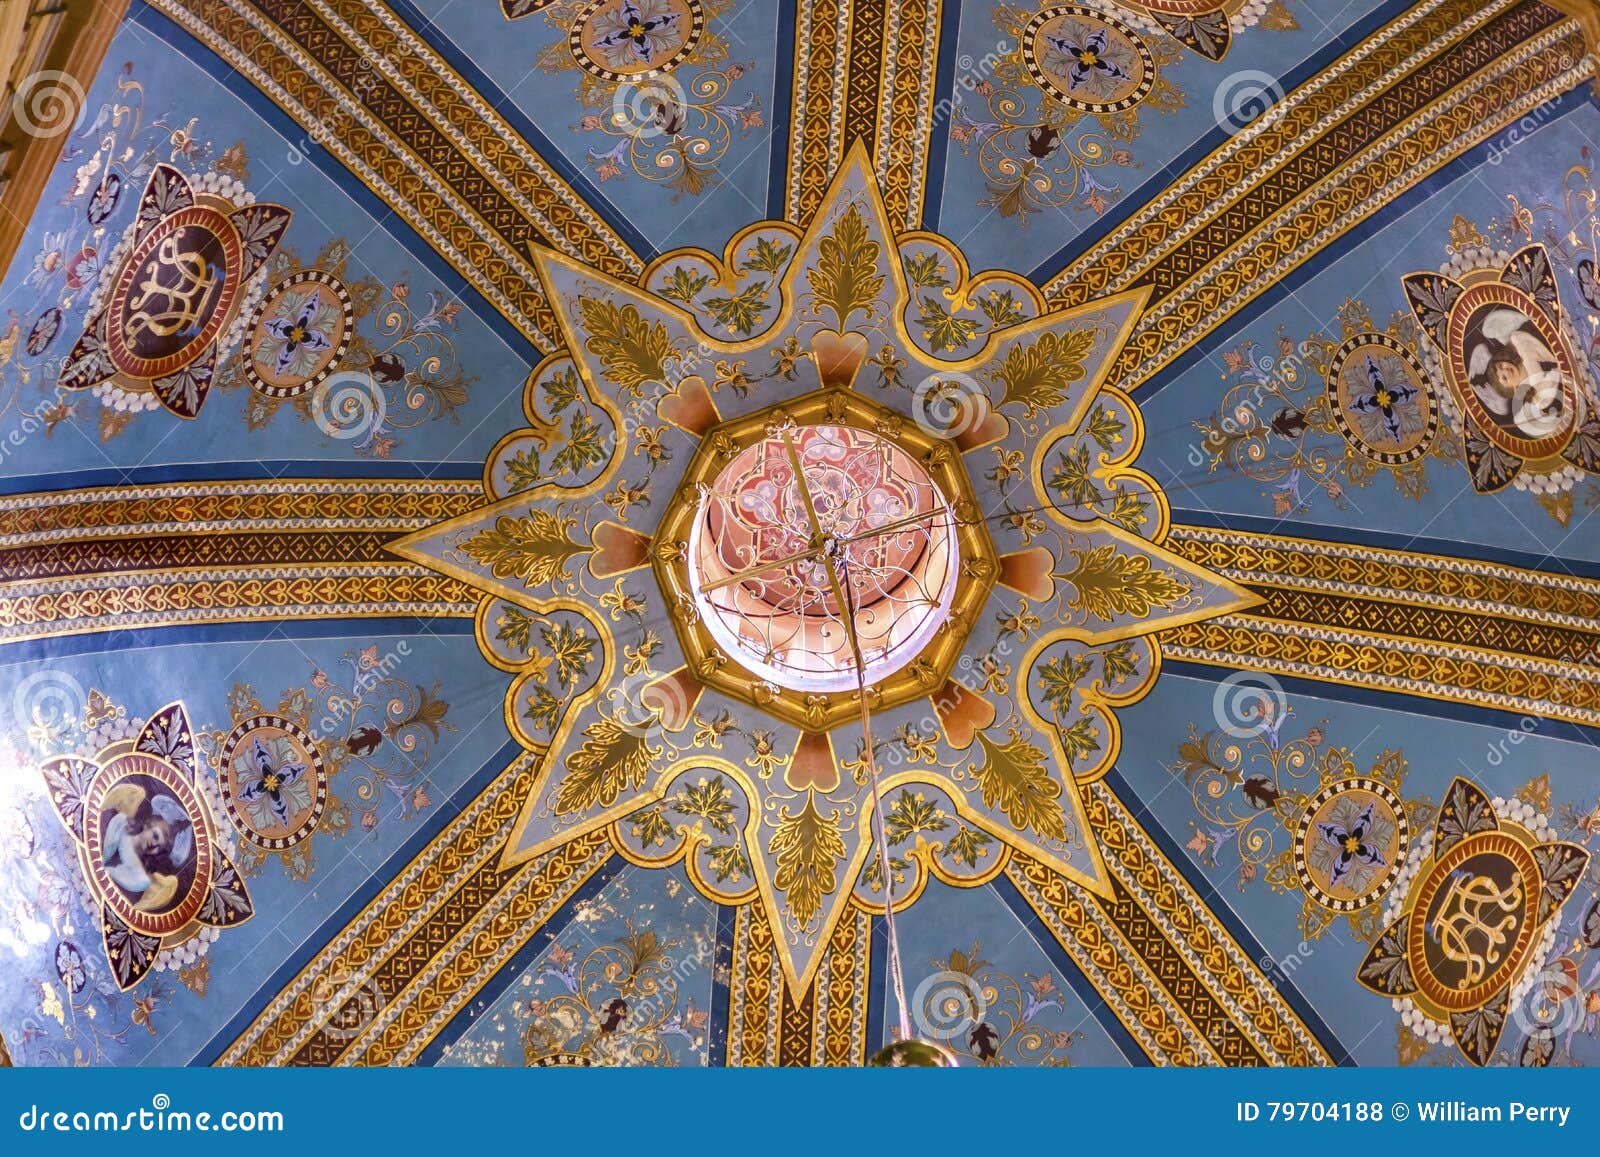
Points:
[(827, 1024), (1494, 636), (424, 922), (424, 947), (96, 560), (866, 73), (1390, 620)]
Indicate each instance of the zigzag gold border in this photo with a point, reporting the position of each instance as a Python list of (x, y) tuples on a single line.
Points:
[(1226, 971), (1130, 990), (816, 131), (840, 1031), (1430, 671), (212, 507), (756, 990), (114, 601), (906, 106), (482, 946)]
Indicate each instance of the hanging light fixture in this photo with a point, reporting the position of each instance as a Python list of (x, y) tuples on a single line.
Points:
[(907, 1050)]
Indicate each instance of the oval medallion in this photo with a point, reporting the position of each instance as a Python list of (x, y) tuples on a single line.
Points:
[(147, 843), (70, 967), (104, 201), (1382, 400), (1087, 59), (45, 328), (1473, 921), (299, 334), (173, 293), (1588, 283), (1511, 371), (274, 782)]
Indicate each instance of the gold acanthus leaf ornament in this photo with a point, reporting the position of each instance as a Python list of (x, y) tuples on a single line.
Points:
[(845, 278), (1108, 584), (1014, 778), (808, 848), (613, 759), (632, 351), (534, 548), (1036, 376)]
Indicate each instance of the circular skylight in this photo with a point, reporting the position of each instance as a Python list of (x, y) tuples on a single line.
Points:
[(783, 561)]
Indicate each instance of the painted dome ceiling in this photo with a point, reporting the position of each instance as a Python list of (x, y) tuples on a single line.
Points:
[(495, 498)]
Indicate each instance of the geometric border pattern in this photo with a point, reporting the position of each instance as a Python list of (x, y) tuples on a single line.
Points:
[(1461, 630)]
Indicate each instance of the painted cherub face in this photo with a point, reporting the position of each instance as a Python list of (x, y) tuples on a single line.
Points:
[(154, 840), (1507, 374)]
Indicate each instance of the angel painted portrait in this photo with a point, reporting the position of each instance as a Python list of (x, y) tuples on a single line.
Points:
[(1515, 374), (152, 856), (148, 844)]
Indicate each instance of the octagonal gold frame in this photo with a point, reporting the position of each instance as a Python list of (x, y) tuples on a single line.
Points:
[(812, 710)]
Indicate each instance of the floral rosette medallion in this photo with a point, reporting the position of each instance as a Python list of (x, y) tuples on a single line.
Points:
[(274, 781), (299, 334)]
